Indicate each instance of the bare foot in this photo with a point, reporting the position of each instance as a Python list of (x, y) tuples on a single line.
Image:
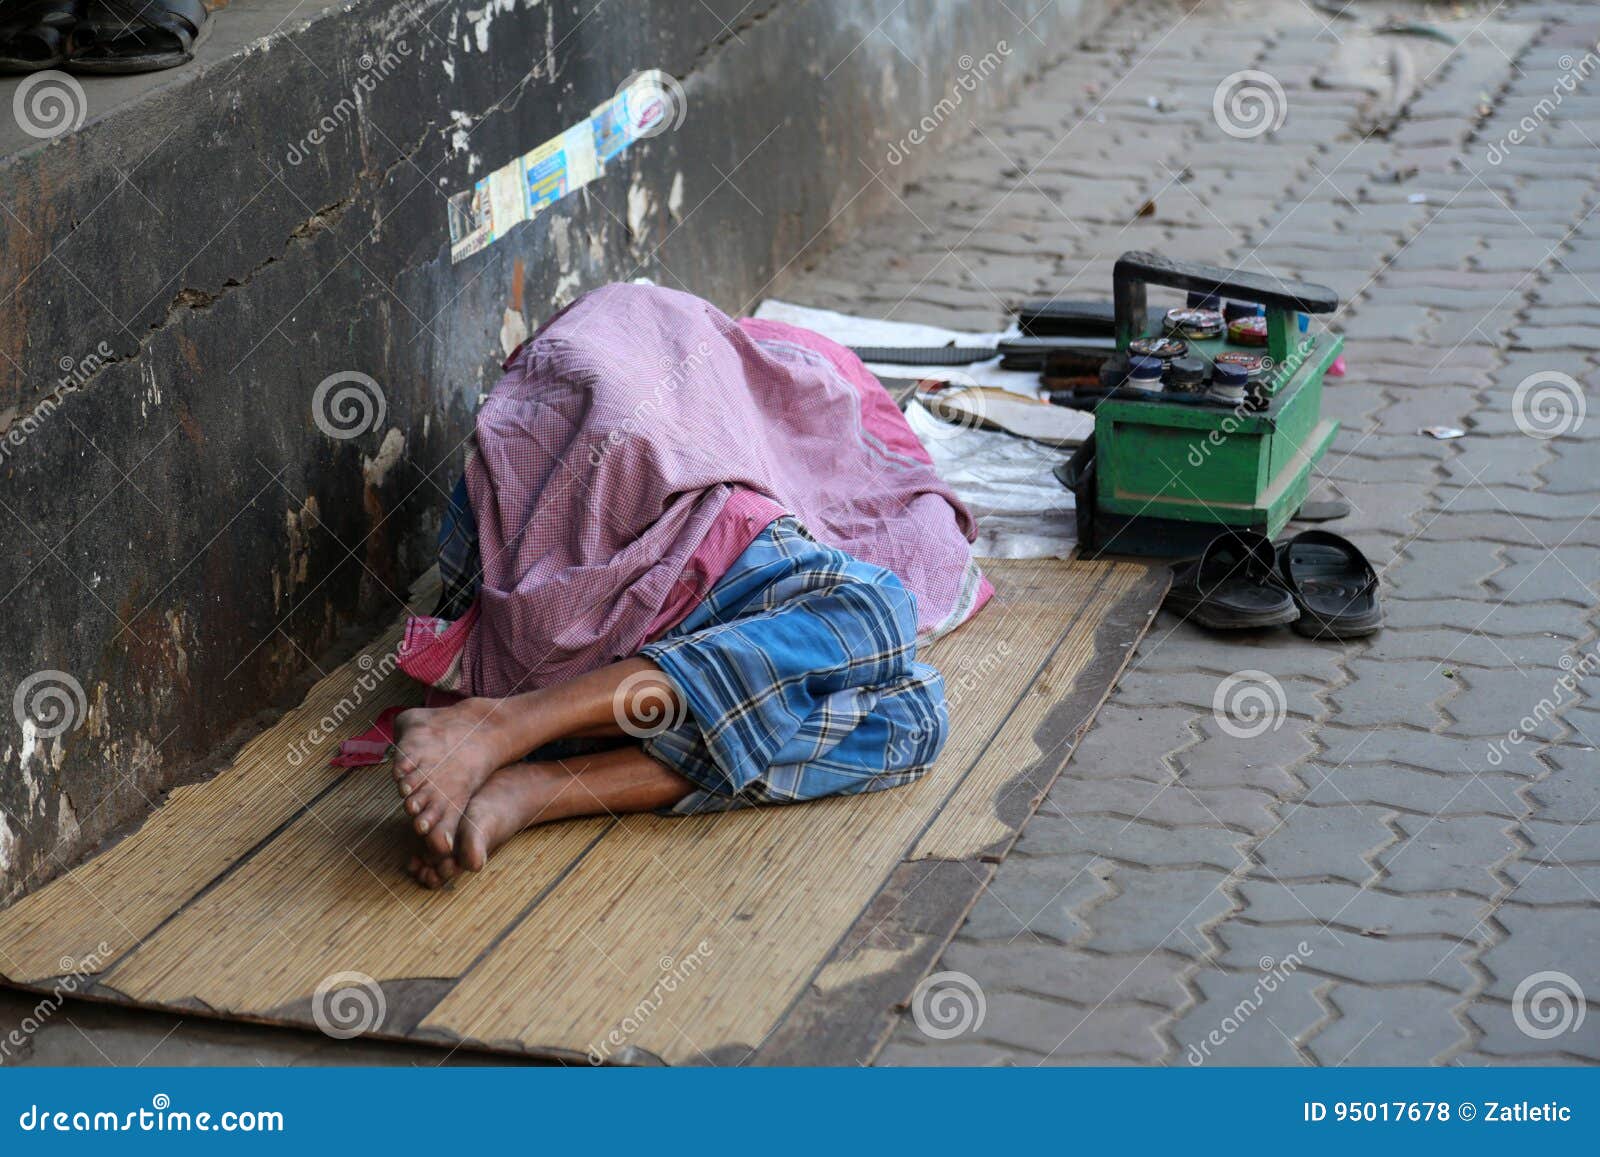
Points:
[(519, 795), (432, 870), (443, 755), (515, 797)]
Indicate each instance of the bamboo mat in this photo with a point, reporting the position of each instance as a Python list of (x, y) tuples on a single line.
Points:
[(274, 891)]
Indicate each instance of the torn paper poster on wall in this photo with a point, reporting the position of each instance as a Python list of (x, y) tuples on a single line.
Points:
[(646, 104)]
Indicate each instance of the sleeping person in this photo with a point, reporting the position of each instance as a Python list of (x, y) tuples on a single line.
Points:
[(687, 570)]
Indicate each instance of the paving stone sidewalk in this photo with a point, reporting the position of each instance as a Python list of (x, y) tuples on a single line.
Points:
[(1396, 869)]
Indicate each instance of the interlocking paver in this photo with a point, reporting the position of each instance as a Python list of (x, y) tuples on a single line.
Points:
[(1469, 648), (1440, 570), (1540, 939), (1242, 760), (1159, 909), (1133, 841), (1403, 692), (1049, 1028), (1389, 1026), (1362, 959), (1199, 689), (1364, 911), (1445, 754), (1496, 617), (1571, 469), (1172, 804), (1040, 898), (1552, 882), (1250, 1019), (969, 1054), (1071, 974), (1332, 842), (1447, 853), (1139, 742), (1429, 856), (1464, 793), (1534, 576), (1174, 644), (1497, 702), (1504, 1039), (1571, 843), (1571, 793)]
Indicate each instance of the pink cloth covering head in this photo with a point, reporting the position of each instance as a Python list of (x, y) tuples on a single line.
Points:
[(609, 454)]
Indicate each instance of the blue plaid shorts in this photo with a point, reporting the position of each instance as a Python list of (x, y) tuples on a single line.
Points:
[(800, 680)]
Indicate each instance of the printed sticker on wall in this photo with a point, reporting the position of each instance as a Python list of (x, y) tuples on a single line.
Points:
[(645, 105)]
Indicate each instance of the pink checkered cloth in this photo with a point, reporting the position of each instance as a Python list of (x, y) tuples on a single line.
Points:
[(636, 446)]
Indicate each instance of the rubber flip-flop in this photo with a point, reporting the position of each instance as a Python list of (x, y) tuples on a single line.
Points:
[(1333, 585), (1232, 586), (126, 36)]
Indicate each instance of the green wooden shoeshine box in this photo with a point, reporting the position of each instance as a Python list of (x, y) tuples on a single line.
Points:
[(1169, 474)]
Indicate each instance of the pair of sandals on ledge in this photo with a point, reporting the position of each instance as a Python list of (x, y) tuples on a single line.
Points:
[(1317, 582), (100, 36)]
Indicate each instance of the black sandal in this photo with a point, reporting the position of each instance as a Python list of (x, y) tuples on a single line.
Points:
[(34, 33), (122, 36), (1233, 585), (1333, 585)]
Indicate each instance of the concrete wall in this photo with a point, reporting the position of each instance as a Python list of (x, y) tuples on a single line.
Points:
[(181, 273)]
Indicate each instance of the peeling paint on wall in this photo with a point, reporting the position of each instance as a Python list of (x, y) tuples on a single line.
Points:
[(376, 468), (8, 846), (640, 205), (298, 524), (67, 829), (513, 331), (479, 21), (675, 197)]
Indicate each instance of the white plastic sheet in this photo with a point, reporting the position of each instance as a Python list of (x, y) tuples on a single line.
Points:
[(1022, 510)]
